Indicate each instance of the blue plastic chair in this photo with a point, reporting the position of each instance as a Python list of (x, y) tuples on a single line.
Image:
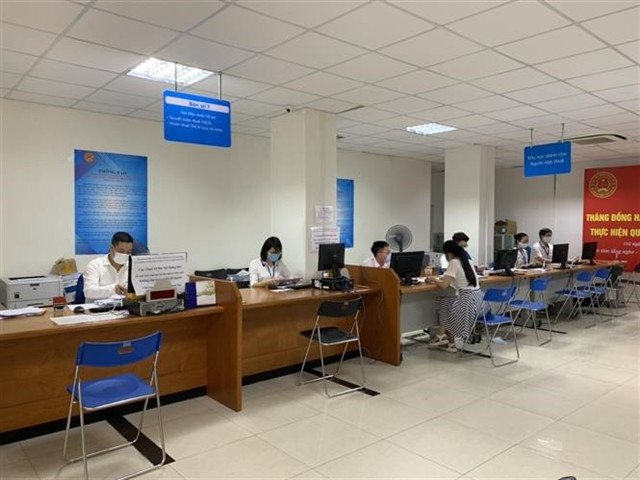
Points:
[(578, 292), (80, 291), (115, 390), (537, 286), (499, 298)]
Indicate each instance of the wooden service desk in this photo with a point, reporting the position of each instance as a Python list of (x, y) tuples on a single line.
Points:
[(37, 357)]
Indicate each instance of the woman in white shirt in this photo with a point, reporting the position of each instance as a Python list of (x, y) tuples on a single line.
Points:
[(522, 242), (542, 251), (457, 314), (269, 269)]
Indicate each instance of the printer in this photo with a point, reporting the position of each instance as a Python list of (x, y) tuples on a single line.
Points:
[(38, 290)]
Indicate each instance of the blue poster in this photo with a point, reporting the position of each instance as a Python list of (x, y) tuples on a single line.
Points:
[(547, 159), (344, 214), (110, 196), (195, 119)]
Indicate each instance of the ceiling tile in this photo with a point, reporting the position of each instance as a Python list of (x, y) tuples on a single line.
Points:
[(364, 140), (440, 114), (118, 32), (632, 105), (306, 13), (619, 94), (510, 22), (416, 82), (584, 64), (50, 16), (542, 121), (9, 80), (175, 15), (444, 12), (549, 46), (251, 107), (121, 99), (367, 114), (326, 51), (573, 102), (400, 122), (65, 72), (584, 10), (270, 70), (424, 50), (617, 119), (57, 89), (618, 27), (138, 86), (514, 80), (246, 29), (593, 112), (147, 115), (471, 121), (407, 105), (260, 123), (375, 25), (197, 52), (330, 105), (245, 130), (368, 95), (365, 129), (25, 40), (398, 133), (322, 83), (371, 68), (455, 94), (516, 113), (284, 97), (16, 62), (488, 104), (631, 49), (482, 64), (95, 56), (38, 98), (614, 78), (544, 92), (101, 108), (231, 86)]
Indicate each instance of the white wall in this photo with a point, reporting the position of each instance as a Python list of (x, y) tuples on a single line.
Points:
[(388, 191), (531, 203), (212, 203)]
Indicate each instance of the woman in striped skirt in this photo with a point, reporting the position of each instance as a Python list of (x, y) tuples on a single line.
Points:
[(458, 313)]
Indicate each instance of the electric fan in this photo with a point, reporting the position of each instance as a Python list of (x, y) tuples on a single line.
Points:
[(399, 237)]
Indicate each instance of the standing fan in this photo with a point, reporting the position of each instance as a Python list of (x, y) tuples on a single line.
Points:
[(399, 237)]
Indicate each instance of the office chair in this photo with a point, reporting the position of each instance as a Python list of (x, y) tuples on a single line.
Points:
[(80, 291), (115, 390), (329, 336), (578, 292), (536, 286), (219, 274), (635, 281)]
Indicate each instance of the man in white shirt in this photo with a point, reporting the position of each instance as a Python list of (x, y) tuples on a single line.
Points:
[(107, 276), (381, 255), (542, 251)]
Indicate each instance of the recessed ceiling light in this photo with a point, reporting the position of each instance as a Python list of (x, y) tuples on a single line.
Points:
[(169, 72), (430, 129)]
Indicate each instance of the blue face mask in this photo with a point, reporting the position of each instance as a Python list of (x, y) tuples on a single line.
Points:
[(273, 257)]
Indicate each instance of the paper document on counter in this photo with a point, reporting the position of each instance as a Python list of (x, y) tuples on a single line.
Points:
[(22, 312)]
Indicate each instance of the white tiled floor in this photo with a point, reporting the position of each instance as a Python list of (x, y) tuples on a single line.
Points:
[(568, 408)]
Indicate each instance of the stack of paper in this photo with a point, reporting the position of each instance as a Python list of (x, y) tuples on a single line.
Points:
[(21, 312)]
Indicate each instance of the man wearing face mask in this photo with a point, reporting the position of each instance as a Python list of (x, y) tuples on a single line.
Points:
[(269, 269), (542, 251), (381, 255), (107, 276)]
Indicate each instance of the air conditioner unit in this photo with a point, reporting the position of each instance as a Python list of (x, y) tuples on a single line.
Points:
[(597, 139)]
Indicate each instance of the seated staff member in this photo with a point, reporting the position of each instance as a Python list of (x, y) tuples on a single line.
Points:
[(269, 268), (107, 276), (522, 242), (542, 251), (462, 240), (381, 255), (458, 313)]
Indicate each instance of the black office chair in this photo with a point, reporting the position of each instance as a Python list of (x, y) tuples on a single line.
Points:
[(330, 335), (239, 283), (80, 291), (219, 274)]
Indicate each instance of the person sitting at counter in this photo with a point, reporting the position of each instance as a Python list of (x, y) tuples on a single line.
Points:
[(381, 255), (269, 269), (522, 242), (462, 240), (107, 276), (457, 314), (542, 251)]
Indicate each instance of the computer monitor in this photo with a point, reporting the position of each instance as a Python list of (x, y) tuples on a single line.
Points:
[(560, 254), (589, 251), (407, 265), (505, 260), (331, 257)]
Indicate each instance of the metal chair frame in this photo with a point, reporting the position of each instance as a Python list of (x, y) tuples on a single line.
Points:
[(635, 281), (579, 291), (536, 286), (329, 309), (127, 348)]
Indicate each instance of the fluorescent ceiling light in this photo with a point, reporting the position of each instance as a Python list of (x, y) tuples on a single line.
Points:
[(430, 129), (169, 72)]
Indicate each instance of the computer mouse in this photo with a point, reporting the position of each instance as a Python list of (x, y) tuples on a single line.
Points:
[(78, 309)]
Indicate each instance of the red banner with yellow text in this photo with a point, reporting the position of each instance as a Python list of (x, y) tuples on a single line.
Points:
[(612, 213)]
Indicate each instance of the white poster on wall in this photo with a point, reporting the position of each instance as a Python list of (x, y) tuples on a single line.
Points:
[(324, 234)]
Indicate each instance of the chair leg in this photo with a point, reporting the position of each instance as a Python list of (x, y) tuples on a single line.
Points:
[(66, 431), (361, 362), (324, 373), (82, 439), (306, 355), (546, 314)]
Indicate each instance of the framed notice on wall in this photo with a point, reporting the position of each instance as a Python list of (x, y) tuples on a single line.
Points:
[(110, 196)]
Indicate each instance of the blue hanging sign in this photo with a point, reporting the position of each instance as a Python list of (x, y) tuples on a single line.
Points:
[(195, 119), (345, 210), (548, 159)]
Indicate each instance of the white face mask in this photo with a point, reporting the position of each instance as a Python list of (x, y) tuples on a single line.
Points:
[(523, 245), (546, 239), (120, 258)]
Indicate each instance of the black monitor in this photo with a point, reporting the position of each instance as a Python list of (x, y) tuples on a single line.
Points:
[(589, 251), (505, 260), (407, 265), (331, 257), (560, 254)]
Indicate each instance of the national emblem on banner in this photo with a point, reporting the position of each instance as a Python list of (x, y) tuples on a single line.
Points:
[(603, 185)]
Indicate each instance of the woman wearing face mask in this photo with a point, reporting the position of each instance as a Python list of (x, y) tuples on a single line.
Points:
[(457, 314), (542, 251), (269, 268), (107, 276), (522, 242)]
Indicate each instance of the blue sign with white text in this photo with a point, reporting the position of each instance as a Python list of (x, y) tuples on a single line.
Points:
[(192, 118), (548, 159), (344, 217)]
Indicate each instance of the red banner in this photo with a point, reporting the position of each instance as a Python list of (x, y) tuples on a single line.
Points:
[(612, 213)]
